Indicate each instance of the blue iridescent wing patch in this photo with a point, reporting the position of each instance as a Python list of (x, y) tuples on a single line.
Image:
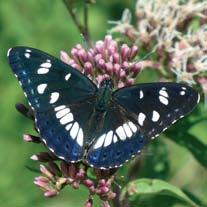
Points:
[(77, 122)]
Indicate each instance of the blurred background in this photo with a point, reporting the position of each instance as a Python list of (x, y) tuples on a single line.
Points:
[(46, 25)]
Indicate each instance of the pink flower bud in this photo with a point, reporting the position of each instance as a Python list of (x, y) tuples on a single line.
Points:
[(98, 57), (74, 51), (51, 193), (125, 65), (107, 40), (111, 195), (64, 57), (88, 182), (103, 190), (112, 50), (102, 182), (82, 55), (31, 138), (46, 172), (122, 74), (75, 185), (116, 58), (92, 189), (130, 82), (88, 68), (121, 85), (80, 174), (134, 51), (42, 179), (89, 203), (116, 69), (78, 46), (34, 157), (43, 185), (43, 157), (109, 68), (135, 69), (125, 52), (101, 64), (99, 46), (91, 57)]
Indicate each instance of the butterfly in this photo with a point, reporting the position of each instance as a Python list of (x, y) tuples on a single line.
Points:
[(99, 126)]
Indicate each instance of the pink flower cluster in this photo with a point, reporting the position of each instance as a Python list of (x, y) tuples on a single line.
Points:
[(105, 60), (56, 176)]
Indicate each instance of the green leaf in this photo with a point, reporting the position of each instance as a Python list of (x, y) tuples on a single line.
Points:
[(152, 192), (191, 142)]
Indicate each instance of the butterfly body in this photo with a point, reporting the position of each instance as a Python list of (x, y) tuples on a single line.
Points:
[(100, 126), (104, 95)]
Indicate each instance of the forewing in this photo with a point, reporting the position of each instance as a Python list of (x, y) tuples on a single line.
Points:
[(47, 81), (118, 140), (156, 106), (61, 97)]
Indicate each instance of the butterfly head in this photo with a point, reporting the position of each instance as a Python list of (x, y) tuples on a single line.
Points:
[(107, 83)]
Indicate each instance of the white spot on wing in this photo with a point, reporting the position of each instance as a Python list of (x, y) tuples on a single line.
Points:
[(59, 107), (62, 112), (184, 88), (163, 100), (46, 65), (141, 94), (80, 137), (74, 130), (41, 88), (127, 130), (68, 126), (28, 50), (108, 138), (115, 139), (132, 126), (182, 93), (66, 119), (67, 76), (100, 141), (27, 55), (42, 70), (54, 97), (155, 116), (141, 118), (163, 93), (120, 132)]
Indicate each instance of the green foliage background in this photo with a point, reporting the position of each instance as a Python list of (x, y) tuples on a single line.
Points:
[(46, 25)]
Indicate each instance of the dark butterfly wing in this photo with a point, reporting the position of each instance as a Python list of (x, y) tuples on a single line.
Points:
[(119, 139), (156, 106), (61, 97), (138, 113)]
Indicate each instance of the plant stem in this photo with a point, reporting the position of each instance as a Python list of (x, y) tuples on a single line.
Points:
[(83, 28)]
